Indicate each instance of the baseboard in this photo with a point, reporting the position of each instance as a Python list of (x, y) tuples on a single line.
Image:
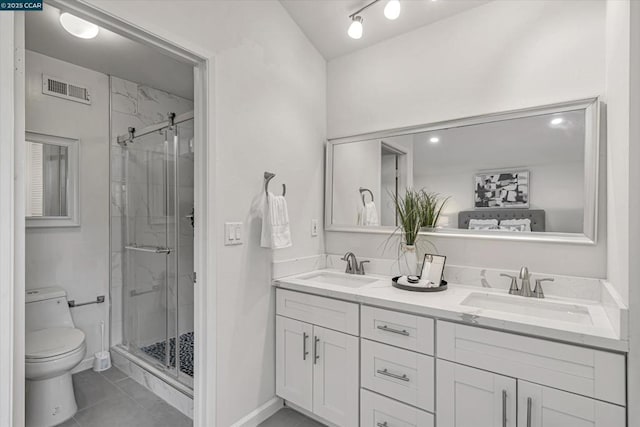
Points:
[(84, 365), (260, 414)]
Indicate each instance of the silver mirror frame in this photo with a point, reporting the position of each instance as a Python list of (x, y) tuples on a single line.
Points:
[(592, 107), (73, 194)]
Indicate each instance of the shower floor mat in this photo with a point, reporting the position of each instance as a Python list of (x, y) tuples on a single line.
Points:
[(158, 351)]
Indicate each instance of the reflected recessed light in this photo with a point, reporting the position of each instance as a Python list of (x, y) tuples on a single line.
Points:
[(434, 140), (78, 27), (557, 121)]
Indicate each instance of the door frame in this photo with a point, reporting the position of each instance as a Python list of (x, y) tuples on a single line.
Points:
[(12, 207)]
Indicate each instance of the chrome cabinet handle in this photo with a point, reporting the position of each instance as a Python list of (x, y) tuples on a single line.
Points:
[(504, 408), (384, 424), (395, 331), (384, 371), (316, 356), (304, 346), (529, 403)]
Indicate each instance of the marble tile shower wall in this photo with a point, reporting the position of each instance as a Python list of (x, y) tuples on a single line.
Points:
[(143, 185)]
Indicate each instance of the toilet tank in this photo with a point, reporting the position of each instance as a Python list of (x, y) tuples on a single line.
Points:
[(47, 308)]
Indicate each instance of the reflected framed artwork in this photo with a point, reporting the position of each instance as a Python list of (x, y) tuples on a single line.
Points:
[(502, 189)]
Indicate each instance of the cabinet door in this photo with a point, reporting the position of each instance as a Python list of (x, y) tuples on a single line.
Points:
[(540, 406), (294, 361), (468, 397), (335, 377)]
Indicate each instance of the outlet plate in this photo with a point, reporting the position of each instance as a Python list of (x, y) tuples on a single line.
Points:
[(314, 228)]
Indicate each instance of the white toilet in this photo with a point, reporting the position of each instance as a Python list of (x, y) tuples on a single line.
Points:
[(53, 347)]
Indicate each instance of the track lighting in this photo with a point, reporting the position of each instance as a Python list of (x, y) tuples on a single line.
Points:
[(355, 29), (392, 9)]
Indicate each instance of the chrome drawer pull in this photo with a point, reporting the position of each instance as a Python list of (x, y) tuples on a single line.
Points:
[(529, 403), (315, 350), (384, 424), (384, 371), (304, 346), (504, 408), (395, 331)]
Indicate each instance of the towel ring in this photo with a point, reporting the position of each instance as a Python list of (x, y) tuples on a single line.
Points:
[(365, 190), (268, 176)]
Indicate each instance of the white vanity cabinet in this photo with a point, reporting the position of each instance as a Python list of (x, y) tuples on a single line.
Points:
[(317, 368), (469, 397), (558, 385), (357, 365)]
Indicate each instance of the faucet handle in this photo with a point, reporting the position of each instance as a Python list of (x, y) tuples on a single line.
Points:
[(537, 292), (361, 267), (513, 289)]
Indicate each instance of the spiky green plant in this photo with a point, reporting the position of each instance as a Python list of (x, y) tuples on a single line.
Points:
[(409, 217), (431, 205)]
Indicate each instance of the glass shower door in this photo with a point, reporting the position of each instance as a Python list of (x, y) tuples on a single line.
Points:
[(150, 253)]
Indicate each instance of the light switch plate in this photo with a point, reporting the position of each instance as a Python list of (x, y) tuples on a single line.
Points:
[(232, 233), (314, 228)]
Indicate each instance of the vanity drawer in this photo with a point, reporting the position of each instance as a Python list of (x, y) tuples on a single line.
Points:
[(376, 411), (400, 374), (398, 329), (330, 313), (589, 372)]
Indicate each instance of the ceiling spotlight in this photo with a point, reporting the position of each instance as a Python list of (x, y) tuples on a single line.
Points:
[(355, 29), (434, 140), (557, 121), (392, 9), (78, 27)]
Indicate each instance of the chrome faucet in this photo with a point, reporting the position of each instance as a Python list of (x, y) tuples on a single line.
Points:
[(352, 264), (537, 292), (525, 289)]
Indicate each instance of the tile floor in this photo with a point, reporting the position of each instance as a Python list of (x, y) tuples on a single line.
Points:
[(112, 399), (287, 417)]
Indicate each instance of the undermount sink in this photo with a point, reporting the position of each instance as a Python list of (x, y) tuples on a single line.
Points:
[(340, 279), (530, 307)]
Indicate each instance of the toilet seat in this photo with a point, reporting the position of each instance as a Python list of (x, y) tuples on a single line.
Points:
[(53, 343)]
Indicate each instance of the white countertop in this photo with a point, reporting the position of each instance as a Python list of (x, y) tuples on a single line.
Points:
[(447, 305)]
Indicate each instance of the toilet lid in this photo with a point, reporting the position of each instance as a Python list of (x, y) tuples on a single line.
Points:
[(52, 342)]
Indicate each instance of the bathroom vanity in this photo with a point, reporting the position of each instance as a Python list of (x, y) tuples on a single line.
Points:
[(354, 351)]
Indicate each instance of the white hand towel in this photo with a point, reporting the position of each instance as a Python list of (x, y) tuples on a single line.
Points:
[(368, 215), (276, 233)]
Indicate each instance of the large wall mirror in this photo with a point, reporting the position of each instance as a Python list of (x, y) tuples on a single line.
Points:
[(521, 175), (52, 181)]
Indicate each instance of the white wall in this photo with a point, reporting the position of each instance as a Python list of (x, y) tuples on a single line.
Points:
[(500, 56), (77, 259), (268, 101), (356, 165)]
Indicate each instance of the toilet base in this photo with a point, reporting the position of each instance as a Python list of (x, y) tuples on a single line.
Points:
[(50, 401)]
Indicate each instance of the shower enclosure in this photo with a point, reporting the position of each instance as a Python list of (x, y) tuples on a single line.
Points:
[(156, 245)]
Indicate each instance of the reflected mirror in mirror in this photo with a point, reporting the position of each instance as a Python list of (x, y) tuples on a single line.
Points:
[(525, 172), (51, 184)]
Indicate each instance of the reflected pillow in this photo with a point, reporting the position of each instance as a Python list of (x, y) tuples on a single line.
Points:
[(516, 224), (483, 224)]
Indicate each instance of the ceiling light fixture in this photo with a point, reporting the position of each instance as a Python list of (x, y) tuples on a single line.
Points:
[(78, 27), (355, 29), (434, 140), (557, 121), (392, 9)]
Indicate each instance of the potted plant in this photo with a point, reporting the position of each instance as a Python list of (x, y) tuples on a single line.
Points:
[(408, 210)]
